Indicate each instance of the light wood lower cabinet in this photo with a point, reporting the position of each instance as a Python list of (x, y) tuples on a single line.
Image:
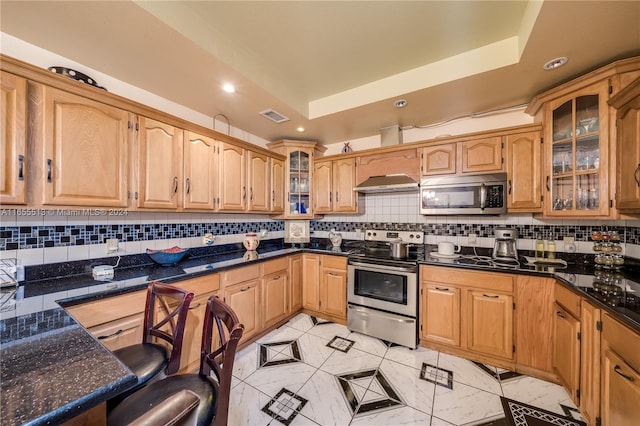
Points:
[(484, 308), (534, 324), (590, 362), (468, 313), (120, 333), (620, 390), (275, 280), (325, 286), (441, 314), (295, 283), (242, 294), (192, 339), (566, 350)]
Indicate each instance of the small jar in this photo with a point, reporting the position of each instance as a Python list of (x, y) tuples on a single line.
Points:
[(251, 241), (618, 260), (606, 248), (596, 235)]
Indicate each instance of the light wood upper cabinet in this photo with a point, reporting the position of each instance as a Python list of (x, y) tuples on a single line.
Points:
[(627, 103), (439, 159), (259, 184), (333, 183), (81, 147), (159, 161), (481, 155), (233, 185), (465, 157), (200, 171), (13, 111), (277, 186), (524, 168)]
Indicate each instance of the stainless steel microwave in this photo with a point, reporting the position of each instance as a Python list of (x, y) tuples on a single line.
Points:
[(452, 195)]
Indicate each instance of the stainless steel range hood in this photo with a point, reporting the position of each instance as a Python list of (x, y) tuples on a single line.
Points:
[(387, 183)]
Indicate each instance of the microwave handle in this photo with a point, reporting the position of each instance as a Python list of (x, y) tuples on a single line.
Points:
[(483, 196)]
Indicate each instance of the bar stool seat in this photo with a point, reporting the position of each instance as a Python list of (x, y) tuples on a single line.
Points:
[(160, 351), (212, 384)]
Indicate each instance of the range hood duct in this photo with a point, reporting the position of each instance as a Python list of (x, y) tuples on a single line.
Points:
[(387, 183)]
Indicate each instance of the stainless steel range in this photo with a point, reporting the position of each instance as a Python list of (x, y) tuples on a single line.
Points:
[(382, 286)]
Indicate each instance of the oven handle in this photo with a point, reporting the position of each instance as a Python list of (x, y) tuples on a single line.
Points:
[(364, 312), (369, 266)]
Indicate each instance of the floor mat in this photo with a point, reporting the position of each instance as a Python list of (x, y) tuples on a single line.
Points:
[(520, 414)]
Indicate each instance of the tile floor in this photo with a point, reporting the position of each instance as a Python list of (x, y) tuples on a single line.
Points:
[(313, 372)]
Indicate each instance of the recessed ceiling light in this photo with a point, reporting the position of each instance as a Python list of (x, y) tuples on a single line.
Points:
[(228, 87), (400, 103), (555, 63), (300, 129)]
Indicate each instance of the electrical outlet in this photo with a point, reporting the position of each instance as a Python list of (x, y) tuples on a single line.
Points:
[(473, 239), (112, 245), (569, 240)]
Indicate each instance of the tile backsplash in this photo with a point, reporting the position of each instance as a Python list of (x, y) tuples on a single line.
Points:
[(40, 237)]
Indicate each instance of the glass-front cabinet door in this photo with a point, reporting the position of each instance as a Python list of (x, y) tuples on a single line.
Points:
[(298, 195), (577, 178)]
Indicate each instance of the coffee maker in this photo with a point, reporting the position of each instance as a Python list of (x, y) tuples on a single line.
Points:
[(505, 244)]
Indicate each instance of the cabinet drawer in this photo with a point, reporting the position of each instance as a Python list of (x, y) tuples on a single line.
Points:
[(484, 280), (120, 333), (568, 299), (109, 309), (275, 265), (200, 285), (336, 262), (624, 341), (238, 275)]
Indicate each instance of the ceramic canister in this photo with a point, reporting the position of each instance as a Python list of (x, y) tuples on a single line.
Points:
[(251, 241)]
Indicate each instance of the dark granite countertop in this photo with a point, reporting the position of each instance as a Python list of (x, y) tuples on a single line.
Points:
[(52, 369)]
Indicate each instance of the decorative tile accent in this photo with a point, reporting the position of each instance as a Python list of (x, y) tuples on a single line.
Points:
[(437, 376), (270, 356), (520, 414), (501, 376), (319, 321), (285, 406), (379, 395), (341, 344), (574, 413)]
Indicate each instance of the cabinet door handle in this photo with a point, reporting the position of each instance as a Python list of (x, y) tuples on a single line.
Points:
[(276, 277), (560, 314), (636, 175), (188, 185), (617, 370), (191, 308), (20, 167), (510, 186), (245, 288), (251, 194), (175, 184), (273, 196), (491, 296), (548, 187), (244, 192), (337, 200), (111, 335), (49, 170), (330, 196), (442, 289)]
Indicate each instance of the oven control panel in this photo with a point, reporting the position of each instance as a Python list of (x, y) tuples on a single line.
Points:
[(384, 235)]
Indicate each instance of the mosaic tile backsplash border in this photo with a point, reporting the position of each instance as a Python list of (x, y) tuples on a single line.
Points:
[(30, 237)]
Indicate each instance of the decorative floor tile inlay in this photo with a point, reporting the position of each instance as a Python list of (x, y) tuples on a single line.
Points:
[(438, 376), (520, 414), (319, 321), (285, 406), (278, 353), (341, 344), (378, 396), (502, 376), (574, 413)]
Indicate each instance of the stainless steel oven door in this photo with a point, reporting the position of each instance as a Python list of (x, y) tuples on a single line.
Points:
[(388, 288)]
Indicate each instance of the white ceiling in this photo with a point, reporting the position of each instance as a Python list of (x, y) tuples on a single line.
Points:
[(333, 67)]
